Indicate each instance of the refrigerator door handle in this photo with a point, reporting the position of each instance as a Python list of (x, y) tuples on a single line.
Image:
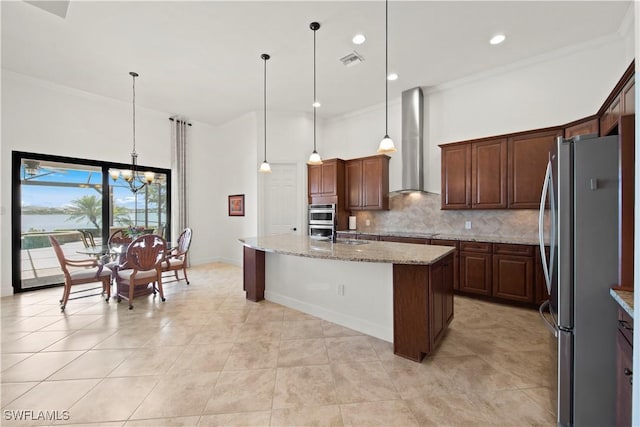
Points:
[(543, 200), (548, 323)]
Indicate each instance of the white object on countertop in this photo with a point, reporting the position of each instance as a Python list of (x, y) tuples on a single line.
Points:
[(352, 223)]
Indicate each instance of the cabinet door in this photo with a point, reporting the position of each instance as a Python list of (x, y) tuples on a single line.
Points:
[(375, 183), (489, 174), (475, 273), (448, 275), (353, 172), (314, 177), (628, 97), (456, 176), (528, 158), (624, 378), (513, 277), (329, 178), (456, 259), (436, 313), (584, 127)]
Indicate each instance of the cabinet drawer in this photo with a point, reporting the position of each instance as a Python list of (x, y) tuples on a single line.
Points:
[(475, 247), (367, 237), (625, 325), (509, 249), (441, 242), (402, 239)]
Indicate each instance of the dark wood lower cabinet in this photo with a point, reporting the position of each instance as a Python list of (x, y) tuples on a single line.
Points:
[(513, 277), (475, 273), (456, 258), (624, 369)]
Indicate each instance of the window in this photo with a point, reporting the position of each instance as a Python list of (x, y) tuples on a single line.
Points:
[(77, 201)]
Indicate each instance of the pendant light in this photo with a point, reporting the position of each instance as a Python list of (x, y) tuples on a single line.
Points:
[(386, 145), (315, 158), (136, 183), (264, 167)]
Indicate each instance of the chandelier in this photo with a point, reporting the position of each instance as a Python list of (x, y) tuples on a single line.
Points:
[(131, 176)]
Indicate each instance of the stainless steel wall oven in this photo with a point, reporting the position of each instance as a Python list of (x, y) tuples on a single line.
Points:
[(322, 221)]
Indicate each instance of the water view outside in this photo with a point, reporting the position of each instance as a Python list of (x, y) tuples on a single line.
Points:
[(62, 200)]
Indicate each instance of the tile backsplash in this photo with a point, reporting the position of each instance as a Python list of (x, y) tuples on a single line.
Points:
[(421, 213)]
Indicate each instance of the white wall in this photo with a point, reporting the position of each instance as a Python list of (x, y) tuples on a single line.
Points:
[(546, 91), (223, 165)]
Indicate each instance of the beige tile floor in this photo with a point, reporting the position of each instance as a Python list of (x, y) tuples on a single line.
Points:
[(208, 357)]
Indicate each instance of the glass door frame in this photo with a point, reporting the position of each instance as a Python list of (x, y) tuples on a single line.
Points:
[(16, 203)]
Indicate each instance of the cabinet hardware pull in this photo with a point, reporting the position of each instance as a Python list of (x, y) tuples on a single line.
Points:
[(624, 324)]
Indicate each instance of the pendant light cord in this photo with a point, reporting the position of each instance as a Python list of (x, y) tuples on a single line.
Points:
[(314, 91), (134, 112), (386, 68), (265, 57)]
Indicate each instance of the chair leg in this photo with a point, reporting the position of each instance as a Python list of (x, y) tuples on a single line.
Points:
[(65, 295), (131, 288), (184, 270), (160, 290), (106, 285)]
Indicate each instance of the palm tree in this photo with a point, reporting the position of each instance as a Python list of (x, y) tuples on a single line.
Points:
[(86, 208), (90, 208)]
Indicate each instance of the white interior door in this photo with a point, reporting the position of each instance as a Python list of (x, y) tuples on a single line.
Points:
[(281, 200)]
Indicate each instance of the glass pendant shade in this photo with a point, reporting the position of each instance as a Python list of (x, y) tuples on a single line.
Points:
[(386, 145), (149, 177), (314, 158), (264, 167), (114, 173)]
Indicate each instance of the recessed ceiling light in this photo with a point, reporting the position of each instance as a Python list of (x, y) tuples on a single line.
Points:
[(316, 104), (358, 39), (392, 76), (497, 39)]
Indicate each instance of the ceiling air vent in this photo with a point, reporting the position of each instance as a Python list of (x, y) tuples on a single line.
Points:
[(351, 59)]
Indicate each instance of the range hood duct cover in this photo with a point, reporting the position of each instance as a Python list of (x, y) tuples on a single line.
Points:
[(412, 140)]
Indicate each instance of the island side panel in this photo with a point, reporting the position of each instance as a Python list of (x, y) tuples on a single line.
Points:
[(253, 284), (410, 311)]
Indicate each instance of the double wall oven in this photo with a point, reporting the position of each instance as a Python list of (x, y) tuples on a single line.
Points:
[(322, 221)]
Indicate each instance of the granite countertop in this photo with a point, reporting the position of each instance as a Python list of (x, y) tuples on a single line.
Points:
[(625, 299), (364, 251), (469, 237)]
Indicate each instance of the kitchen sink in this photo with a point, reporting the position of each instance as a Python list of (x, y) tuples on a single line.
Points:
[(352, 241)]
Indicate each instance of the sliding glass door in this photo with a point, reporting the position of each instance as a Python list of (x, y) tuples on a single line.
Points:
[(80, 204)]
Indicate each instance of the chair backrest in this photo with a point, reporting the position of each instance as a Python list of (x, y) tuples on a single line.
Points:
[(146, 252), (87, 239), (59, 254), (118, 238), (184, 241)]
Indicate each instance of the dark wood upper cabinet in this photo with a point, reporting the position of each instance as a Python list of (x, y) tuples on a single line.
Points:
[(489, 174), (587, 126), (326, 182), (528, 157), (368, 183), (456, 176), (628, 98)]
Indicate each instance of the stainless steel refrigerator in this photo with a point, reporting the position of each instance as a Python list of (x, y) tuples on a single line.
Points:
[(581, 193)]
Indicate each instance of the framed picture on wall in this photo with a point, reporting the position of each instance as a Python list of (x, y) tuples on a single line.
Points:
[(236, 205)]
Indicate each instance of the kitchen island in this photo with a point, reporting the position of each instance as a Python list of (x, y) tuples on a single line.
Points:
[(399, 292)]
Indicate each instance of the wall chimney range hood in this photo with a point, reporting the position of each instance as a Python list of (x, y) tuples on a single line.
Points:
[(412, 140)]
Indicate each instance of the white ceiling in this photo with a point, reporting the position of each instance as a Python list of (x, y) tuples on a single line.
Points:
[(201, 59)]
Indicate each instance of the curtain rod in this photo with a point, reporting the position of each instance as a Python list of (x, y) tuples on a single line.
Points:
[(173, 120)]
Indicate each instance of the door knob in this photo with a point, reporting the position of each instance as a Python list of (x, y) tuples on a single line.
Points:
[(294, 229)]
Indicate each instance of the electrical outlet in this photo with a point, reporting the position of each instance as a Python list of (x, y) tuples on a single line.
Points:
[(367, 222), (341, 290), (467, 225)]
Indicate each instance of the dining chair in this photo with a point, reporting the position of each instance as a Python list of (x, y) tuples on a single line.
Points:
[(87, 239), (177, 257), (141, 267), (92, 271)]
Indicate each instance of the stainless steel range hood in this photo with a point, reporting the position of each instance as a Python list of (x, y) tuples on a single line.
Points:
[(412, 140)]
